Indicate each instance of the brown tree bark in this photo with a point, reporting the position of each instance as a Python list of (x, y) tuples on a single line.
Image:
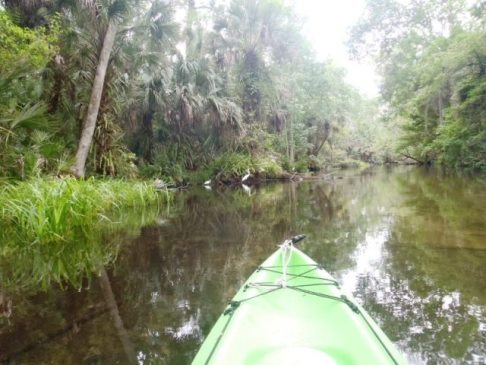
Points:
[(78, 169)]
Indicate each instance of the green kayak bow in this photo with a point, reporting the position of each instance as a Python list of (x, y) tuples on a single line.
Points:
[(291, 311)]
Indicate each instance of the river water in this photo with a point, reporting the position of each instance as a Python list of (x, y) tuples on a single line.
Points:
[(410, 244)]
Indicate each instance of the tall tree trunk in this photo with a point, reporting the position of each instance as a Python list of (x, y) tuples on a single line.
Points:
[(89, 124), (147, 135), (291, 143), (326, 133), (441, 109)]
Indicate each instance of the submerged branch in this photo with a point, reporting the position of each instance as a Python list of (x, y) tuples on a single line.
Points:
[(412, 158)]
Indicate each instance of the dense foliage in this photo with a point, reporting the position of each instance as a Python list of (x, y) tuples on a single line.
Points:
[(177, 88), (223, 84), (432, 56)]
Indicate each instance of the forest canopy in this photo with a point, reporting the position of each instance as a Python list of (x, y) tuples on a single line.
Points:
[(432, 57), (191, 90)]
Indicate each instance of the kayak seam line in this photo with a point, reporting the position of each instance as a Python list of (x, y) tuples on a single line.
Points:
[(341, 299), (219, 338), (379, 339), (355, 309)]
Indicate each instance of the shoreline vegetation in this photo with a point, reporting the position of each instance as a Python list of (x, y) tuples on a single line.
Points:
[(255, 177), (182, 92), (62, 230), (49, 210)]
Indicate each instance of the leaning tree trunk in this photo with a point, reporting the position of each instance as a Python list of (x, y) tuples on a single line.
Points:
[(94, 103)]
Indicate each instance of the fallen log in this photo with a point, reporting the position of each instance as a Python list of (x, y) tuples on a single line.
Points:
[(412, 158)]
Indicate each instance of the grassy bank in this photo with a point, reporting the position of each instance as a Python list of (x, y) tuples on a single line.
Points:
[(54, 210), (54, 230), (229, 168)]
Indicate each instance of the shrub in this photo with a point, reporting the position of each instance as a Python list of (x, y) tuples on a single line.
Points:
[(268, 167), (230, 165)]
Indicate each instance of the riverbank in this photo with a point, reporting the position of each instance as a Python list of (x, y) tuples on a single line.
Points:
[(52, 230), (48, 210), (237, 170)]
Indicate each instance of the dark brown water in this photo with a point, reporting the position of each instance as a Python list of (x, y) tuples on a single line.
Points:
[(409, 244)]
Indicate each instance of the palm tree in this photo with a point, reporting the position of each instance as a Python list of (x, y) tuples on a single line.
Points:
[(199, 105), (100, 21), (24, 121), (110, 17), (149, 48), (32, 12), (250, 35)]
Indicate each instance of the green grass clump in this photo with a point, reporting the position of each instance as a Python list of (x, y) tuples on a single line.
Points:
[(349, 163), (56, 230), (268, 168), (230, 165), (43, 211), (234, 165)]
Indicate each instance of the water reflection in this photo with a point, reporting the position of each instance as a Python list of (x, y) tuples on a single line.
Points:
[(368, 258), (112, 305), (409, 244)]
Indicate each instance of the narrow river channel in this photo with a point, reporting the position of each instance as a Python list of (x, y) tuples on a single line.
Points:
[(410, 244)]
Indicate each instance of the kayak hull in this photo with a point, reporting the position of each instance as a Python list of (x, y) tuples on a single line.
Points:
[(291, 311)]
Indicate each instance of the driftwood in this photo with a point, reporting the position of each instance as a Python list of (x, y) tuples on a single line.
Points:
[(412, 158)]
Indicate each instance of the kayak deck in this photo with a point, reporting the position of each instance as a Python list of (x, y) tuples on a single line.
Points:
[(291, 311)]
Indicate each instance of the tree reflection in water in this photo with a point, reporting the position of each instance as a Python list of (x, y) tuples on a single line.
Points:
[(409, 244)]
